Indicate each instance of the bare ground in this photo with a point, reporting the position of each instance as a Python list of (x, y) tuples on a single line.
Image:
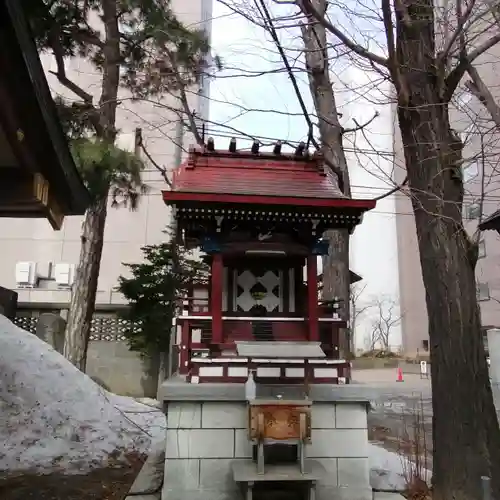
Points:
[(109, 483)]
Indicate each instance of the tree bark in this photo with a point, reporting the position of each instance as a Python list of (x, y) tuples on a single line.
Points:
[(466, 436), (461, 392), (84, 292), (336, 279), (85, 286)]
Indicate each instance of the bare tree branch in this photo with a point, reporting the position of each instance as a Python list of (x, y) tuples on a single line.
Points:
[(459, 31), (479, 89), (184, 100), (361, 126), (454, 77), (140, 145), (308, 10), (335, 168), (61, 76)]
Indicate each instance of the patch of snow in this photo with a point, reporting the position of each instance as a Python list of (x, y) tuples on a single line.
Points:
[(377, 495), (54, 417), (149, 402), (386, 469)]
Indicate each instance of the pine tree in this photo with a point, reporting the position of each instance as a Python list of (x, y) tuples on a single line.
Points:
[(154, 289), (138, 47)]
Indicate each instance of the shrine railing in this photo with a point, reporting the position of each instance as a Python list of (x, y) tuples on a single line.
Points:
[(268, 371), (255, 328), (201, 306)]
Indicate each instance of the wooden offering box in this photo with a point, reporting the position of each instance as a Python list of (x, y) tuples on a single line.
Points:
[(280, 420)]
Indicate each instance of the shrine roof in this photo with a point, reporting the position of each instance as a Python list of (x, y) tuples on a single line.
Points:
[(491, 222), (221, 176)]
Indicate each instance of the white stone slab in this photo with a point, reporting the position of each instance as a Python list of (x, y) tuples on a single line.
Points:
[(301, 350), (351, 416), (224, 415), (180, 474), (328, 443), (323, 416), (200, 443), (353, 472), (184, 415)]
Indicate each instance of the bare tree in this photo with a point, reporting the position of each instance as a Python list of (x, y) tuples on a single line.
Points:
[(336, 264), (357, 309), (425, 69), (386, 318)]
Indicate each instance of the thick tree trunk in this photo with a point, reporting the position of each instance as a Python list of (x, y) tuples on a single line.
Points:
[(85, 286), (466, 436), (336, 264), (461, 392), (336, 280)]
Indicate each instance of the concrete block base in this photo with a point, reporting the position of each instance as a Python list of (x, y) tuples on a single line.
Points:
[(205, 437)]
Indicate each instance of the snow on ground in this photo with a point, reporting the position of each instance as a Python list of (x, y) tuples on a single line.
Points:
[(53, 417), (386, 469)]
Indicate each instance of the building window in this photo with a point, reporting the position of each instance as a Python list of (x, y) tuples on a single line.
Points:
[(483, 291), (425, 345), (472, 211), (481, 249), (470, 171)]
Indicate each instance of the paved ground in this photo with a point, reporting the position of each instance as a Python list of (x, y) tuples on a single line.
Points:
[(397, 407)]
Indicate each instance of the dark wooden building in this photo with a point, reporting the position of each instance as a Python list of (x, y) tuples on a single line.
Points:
[(38, 177)]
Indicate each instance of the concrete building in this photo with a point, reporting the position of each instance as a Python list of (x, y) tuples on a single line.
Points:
[(481, 199), (38, 262)]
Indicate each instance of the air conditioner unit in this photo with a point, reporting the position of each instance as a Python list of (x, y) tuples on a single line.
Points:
[(64, 274), (26, 275)]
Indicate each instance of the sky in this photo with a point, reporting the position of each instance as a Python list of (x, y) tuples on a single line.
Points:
[(245, 101)]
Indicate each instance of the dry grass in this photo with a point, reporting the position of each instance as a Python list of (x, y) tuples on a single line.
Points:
[(413, 449)]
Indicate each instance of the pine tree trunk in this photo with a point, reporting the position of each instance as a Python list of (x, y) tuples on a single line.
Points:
[(85, 286)]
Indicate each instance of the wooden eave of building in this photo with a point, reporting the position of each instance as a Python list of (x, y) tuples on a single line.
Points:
[(353, 278), (174, 197), (491, 223), (38, 177)]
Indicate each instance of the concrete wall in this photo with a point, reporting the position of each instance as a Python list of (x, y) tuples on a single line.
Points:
[(121, 370), (203, 439), (110, 361)]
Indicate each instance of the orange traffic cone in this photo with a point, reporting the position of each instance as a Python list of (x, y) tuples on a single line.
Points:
[(400, 375)]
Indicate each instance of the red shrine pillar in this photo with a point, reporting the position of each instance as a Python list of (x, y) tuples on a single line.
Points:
[(216, 298), (312, 297)]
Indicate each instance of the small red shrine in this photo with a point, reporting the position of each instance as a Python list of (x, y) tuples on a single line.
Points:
[(259, 219)]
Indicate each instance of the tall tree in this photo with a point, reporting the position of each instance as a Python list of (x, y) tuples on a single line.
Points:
[(465, 427), (336, 276), (358, 306), (138, 47)]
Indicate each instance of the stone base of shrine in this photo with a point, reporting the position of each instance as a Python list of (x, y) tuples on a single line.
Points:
[(207, 431)]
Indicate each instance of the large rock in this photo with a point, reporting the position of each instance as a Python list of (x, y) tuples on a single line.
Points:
[(50, 328)]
